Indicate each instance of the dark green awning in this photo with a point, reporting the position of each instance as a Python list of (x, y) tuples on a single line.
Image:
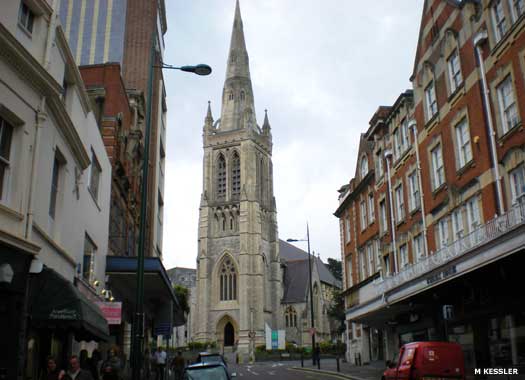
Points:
[(56, 303)]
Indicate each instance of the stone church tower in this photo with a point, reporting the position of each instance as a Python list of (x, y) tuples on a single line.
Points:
[(238, 267)]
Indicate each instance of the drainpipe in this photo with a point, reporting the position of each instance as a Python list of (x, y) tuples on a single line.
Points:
[(388, 155), (479, 39), (40, 118), (413, 126)]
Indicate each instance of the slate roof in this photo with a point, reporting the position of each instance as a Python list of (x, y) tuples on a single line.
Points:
[(296, 272)]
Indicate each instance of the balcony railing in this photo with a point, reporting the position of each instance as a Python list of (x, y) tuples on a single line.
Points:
[(481, 235)]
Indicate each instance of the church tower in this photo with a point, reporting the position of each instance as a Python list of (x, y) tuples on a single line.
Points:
[(238, 266)]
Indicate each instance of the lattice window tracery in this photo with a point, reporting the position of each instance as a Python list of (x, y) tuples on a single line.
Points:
[(228, 281)]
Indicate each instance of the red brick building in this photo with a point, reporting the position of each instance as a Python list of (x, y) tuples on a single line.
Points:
[(444, 173)]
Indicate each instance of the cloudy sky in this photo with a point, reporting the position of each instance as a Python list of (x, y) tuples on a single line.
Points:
[(321, 68)]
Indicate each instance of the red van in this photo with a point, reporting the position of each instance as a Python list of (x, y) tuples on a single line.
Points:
[(427, 361)]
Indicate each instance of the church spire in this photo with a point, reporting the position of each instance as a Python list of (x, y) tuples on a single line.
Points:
[(266, 124), (238, 111)]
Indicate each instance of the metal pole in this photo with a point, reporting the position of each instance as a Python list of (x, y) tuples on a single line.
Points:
[(138, 323), (311, 294)]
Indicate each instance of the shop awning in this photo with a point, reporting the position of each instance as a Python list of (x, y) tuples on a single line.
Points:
[(56, 303), (158, 290)]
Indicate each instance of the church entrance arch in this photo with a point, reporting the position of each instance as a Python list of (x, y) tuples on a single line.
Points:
[(227, 331), (229, 335)]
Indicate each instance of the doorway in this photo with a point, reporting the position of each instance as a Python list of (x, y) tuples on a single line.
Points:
[(229, 335)]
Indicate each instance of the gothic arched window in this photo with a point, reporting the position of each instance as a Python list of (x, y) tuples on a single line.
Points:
[(228, 281), (261, 179), (236, 174), (230, 96), (290, 317), (242, 95), (221, 177)]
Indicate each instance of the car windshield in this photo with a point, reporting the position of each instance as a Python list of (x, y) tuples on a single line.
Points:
[(210, 373)]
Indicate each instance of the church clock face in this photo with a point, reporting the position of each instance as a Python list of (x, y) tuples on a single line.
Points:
[(239, 274)]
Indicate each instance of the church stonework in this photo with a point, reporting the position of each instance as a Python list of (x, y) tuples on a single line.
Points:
[(239, 287)]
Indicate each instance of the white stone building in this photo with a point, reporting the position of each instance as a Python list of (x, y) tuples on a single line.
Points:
[(55, 187)]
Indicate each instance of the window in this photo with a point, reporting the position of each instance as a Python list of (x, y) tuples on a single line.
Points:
[(290, 317), (414, 200), (400, 204), (457, 223), (463, 143), (362, 265), (379, 163), (401, 142), (364, 167), (363, 215), (473, 214), (347, 229), (26, 17), (88, 269), (54, 186), (6, 132), (228, 281), (517, 7), (417, 245), (94, 177), (507, 104), (517, 182), (382, 216), (442, 233), (431, 101), (371, 259), (236, 175), (230, 96), (221, 177), (386, 260), (499, 20), (242, 95), (349, 269), (454, 71), (438, 170), (371, 208), (403, 255)]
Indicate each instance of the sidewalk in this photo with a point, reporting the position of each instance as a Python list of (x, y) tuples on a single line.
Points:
[(372, 371)]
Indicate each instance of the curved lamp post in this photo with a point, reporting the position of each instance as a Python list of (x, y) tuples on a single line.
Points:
[(138, 323), (312, 319)]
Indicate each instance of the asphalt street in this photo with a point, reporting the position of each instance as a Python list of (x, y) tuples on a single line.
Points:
[(283, 371)]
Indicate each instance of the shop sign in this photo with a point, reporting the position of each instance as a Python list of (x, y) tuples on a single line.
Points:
[(64, 314), (442, 275), (112, 311)]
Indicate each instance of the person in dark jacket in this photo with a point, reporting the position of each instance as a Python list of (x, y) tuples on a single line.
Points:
[(52, 372), (95, 363), (317, 353), (75, 372)]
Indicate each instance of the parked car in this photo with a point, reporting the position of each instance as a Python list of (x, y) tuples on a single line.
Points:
[(422, 360), (207, 371), (208, 357)]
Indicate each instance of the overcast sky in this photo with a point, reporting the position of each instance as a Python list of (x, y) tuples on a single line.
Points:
[(321, 68)]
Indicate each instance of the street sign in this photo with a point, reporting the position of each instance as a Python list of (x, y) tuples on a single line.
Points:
[(312, 331), (275, 339), (163, 329)]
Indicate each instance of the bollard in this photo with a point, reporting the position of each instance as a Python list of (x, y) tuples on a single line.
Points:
[(302, 360), (337, 359)]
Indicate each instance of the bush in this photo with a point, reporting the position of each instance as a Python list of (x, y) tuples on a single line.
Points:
[(260, 348)]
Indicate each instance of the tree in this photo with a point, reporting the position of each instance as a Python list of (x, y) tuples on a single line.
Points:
[(336, 268), (336, 310), (182, 294)]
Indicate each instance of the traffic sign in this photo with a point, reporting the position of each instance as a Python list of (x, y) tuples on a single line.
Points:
[(312, 331)]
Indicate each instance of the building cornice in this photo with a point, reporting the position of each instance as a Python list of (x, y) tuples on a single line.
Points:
[(19, 243), (358, 189)]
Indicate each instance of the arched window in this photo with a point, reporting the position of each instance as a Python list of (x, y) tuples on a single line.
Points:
[(364, 166), (221, 177), (236, 174), (228, 281), (290, 317), (230, 96), (242, 95), (261, 179)]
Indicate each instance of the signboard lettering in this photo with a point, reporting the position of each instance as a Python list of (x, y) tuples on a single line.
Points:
[(112, 311)]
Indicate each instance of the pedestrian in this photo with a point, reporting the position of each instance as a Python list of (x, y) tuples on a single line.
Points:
[(111, 367), (95, 363), (317, 354), (177, 365), (52, 372), (75, 372), (160, 360)]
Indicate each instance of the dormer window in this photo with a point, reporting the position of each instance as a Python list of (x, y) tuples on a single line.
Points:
[(364, 167)]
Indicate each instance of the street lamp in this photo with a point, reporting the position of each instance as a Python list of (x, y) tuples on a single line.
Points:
[(310, 285), (138, 323)]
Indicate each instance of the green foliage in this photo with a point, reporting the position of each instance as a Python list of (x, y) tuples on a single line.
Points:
[(260, 348), (336, 310), (336, 268), (182, 294)]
